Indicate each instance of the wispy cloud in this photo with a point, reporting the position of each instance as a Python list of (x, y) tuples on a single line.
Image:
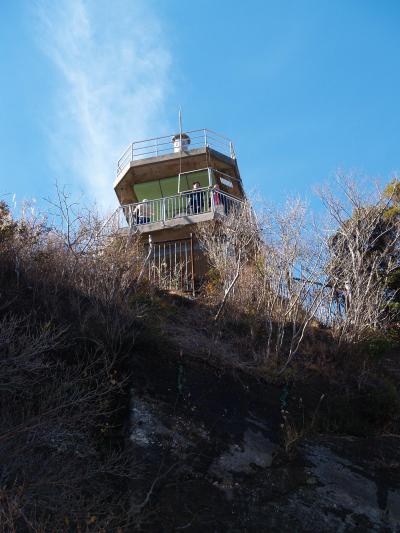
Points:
[(113, 66)]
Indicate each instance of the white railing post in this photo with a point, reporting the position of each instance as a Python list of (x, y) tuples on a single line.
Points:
[(185, 202), (164, 209), (142, 149)]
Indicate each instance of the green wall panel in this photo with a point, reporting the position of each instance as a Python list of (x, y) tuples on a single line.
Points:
[(184, 184), (169, 186), (150, 190), (201, 177)]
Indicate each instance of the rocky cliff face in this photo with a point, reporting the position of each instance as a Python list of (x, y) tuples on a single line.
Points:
[(211, 457)]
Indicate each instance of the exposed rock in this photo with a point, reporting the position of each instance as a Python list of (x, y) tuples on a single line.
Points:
[(213, 442)]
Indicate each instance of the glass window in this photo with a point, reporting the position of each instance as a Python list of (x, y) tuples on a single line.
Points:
[(201, 176), (152, 190)]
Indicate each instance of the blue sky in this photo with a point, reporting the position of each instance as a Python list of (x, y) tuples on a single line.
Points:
[(302, 87)]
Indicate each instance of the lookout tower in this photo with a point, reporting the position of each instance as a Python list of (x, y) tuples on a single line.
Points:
[(167, 185)]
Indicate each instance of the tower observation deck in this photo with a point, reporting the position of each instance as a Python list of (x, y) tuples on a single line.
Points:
[(166, 185)]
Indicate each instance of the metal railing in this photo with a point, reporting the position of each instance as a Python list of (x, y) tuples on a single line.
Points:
[(166, 145), (186, 204), (171, 264)]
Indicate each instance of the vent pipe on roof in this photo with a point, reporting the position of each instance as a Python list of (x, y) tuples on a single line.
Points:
[(181, 140)]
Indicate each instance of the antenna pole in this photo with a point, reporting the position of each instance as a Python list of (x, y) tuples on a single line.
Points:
[(180, 124), (180, 148)]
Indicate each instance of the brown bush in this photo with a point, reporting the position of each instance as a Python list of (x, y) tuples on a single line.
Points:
[(281, 273), (67, 328)]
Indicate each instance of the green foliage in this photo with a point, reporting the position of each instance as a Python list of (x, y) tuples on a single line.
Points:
[(391, 213), (381, 223), (393, 280), (371, 410), (392, 191), (379, 345), (380, 405)]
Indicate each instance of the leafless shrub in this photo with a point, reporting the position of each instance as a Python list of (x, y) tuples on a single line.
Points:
[(273, 270), (291, 276), (50, 409), (67, 323), (229, 245), (362, 249), (291, 292)]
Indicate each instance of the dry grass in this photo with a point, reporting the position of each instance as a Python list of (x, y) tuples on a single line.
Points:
[(70, 303), (67, 325)]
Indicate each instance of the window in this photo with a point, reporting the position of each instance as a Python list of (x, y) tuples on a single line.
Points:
[(152, 190)]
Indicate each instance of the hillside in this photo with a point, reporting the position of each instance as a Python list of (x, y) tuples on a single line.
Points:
[(124, 408), (222, 460)]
